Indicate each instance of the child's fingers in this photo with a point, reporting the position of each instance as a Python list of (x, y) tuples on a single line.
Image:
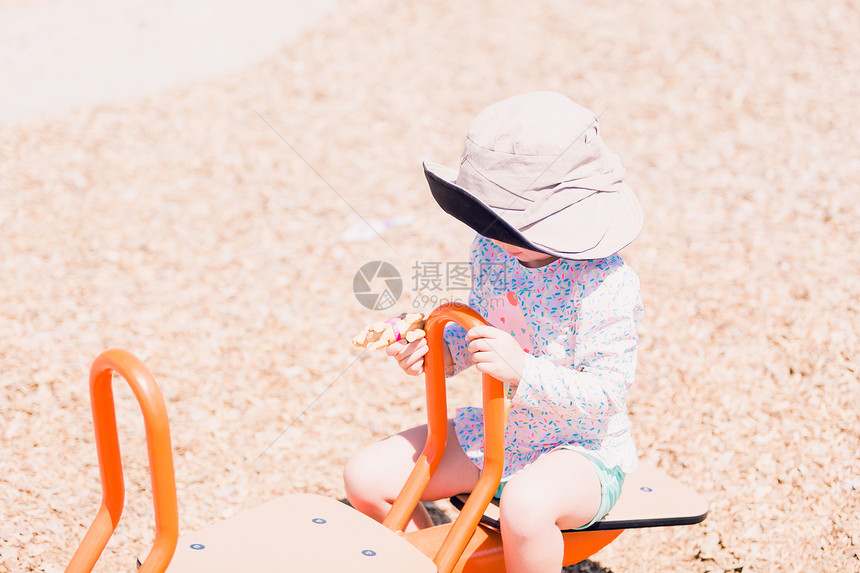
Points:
[(492, 364), (480, 345), (411, 348), (395, 348), (487, 357), (416, 368), (413, 366), (401, 348), (482, 331), (486, 344), (484, 367), (409, 356), (490, 368), (498, 357), (480, 339)]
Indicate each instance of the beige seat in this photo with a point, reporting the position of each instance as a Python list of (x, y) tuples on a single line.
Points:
[(649, 498), (300, 532), (304, 532)]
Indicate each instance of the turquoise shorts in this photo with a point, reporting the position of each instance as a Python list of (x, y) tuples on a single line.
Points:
[(611, 480)]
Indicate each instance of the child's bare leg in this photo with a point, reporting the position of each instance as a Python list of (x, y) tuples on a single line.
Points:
[(560, 490), (375, 475)]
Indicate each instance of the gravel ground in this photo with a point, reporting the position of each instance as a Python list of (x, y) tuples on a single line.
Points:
[(202, 229)]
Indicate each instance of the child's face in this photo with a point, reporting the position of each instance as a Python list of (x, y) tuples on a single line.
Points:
[(531, 259)]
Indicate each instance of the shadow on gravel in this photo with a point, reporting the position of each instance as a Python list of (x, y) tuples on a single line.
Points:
[(586, 566)]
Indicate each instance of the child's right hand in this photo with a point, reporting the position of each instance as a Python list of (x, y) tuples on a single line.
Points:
[(409, 355)]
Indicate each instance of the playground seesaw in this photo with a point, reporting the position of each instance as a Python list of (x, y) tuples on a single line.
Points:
[(311, 533)]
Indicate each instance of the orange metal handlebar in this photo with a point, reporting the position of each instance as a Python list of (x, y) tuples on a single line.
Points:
[(437, 426), (161, 471)]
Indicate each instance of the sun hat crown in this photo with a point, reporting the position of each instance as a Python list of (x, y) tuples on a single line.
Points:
[(537, 124)]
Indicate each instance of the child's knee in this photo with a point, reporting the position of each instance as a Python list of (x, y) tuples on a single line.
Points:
[(376, 473), (361, 475), (525, 511)]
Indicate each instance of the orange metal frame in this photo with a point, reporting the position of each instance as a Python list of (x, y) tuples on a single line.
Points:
[(460, 532), (464, 546), (110, 462)]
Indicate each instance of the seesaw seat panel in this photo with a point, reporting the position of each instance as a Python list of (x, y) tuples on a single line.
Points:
[(300, 532), (649, 498)]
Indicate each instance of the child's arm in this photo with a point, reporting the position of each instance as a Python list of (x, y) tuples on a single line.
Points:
[(595, 384), (596, 388)]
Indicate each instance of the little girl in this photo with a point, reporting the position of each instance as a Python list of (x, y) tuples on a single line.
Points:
[(548, 201)]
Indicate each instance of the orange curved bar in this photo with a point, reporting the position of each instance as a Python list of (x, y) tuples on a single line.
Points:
[(160, 454), (437, 426)]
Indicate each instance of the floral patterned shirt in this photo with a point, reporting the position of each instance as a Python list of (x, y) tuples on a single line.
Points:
[(578, 323)]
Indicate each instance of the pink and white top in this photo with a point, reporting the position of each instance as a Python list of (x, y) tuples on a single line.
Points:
[(577, 320)]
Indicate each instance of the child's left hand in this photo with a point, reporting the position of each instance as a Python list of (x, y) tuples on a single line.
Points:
[(496, 353)]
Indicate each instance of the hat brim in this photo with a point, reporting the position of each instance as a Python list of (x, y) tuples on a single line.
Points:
[(462, 205), (622, 229)]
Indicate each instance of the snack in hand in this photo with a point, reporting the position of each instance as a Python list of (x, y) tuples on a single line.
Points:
[(408, 326)]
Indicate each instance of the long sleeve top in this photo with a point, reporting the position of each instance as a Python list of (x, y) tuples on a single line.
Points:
[(577, 320)]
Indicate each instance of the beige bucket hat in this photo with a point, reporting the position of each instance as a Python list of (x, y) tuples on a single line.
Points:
[(535, 173)]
